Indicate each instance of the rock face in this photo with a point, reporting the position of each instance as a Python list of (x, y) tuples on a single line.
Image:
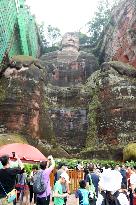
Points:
[(112, 122), (22, 102), (119, 43), (49, 109), (21, 98)]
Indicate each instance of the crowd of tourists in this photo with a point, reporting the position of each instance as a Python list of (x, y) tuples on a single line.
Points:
[(15, 184), (100, 186), (108, 186)]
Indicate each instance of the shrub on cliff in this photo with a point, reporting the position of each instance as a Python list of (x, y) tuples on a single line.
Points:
[(101, 18), (129, 152)]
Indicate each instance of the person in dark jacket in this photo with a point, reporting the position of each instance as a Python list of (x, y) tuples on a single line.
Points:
[(8, 176), (124, 175), (94, 177)]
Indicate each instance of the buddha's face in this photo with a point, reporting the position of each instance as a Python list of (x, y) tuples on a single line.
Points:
[(70, 40)]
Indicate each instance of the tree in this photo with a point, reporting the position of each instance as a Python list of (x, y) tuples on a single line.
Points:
[(53, 35), (44, 42), (50, 38), (100, 20), (83, 39)]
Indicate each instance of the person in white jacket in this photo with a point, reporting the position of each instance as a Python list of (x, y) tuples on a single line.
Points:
[(110, 186)]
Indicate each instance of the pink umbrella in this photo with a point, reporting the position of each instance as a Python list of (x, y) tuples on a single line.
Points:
[(24, 151)]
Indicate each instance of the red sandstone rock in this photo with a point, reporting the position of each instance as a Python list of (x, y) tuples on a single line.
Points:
[(119, 41)]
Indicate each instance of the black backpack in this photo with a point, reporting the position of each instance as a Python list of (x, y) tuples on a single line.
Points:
[(108, 201)]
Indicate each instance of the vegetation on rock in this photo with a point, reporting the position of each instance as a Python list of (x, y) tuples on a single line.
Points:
[(9, 138), (129, 152)]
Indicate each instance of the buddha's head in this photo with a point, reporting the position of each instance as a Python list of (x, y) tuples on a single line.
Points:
[(70, 39)]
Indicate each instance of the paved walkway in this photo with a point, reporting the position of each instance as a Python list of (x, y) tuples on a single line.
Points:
[(71, 201)]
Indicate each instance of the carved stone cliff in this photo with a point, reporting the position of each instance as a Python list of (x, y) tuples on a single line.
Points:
[(119, 41), (111, 118)]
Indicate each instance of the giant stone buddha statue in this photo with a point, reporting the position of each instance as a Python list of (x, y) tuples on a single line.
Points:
[(67, 70), (69, 66)]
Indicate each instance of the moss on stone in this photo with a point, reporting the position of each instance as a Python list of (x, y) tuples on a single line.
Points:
[(22, 58), (9, 138), (91, 141), (3, 89), (129, 152), (2, 94)]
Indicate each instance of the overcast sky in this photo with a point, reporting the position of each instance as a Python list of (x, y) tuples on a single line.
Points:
[(67, 15)]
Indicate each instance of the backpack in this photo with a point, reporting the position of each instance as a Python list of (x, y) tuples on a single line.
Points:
[(92, 193), (39, 186), (83, 197), (107, 202)]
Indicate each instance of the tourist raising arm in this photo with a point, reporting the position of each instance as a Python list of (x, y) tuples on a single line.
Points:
[(21, 165), (50, 162), (8, 176), (46, 168)]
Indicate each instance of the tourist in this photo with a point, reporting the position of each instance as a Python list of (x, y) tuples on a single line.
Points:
[(65, 186), (58, 191), (110, 184), (86, 171), (32, 194), (94, 177), (124, 175), (132, 185), (8, 177), (124, 190), (44, 198), (82, 194), (22, 187), (61, 168), (134, 197), (128, 174), (133, 179), (117, 168)]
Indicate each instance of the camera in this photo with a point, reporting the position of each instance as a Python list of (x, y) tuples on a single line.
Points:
[(13, 153), (50, 157)]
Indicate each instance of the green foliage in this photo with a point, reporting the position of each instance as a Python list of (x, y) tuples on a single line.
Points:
[(91, 140), (129, 152), (50, 49), (53, 35), (71, 163), (2, 94), (100, 20), (130, 163), (43, 39), (83, 38), (50, 38), (28, 168)]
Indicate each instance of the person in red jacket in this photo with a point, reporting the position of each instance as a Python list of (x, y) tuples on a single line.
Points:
[(134, 197)]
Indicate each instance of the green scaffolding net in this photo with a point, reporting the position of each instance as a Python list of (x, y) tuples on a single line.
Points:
[(18, 29), (7, 21)]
